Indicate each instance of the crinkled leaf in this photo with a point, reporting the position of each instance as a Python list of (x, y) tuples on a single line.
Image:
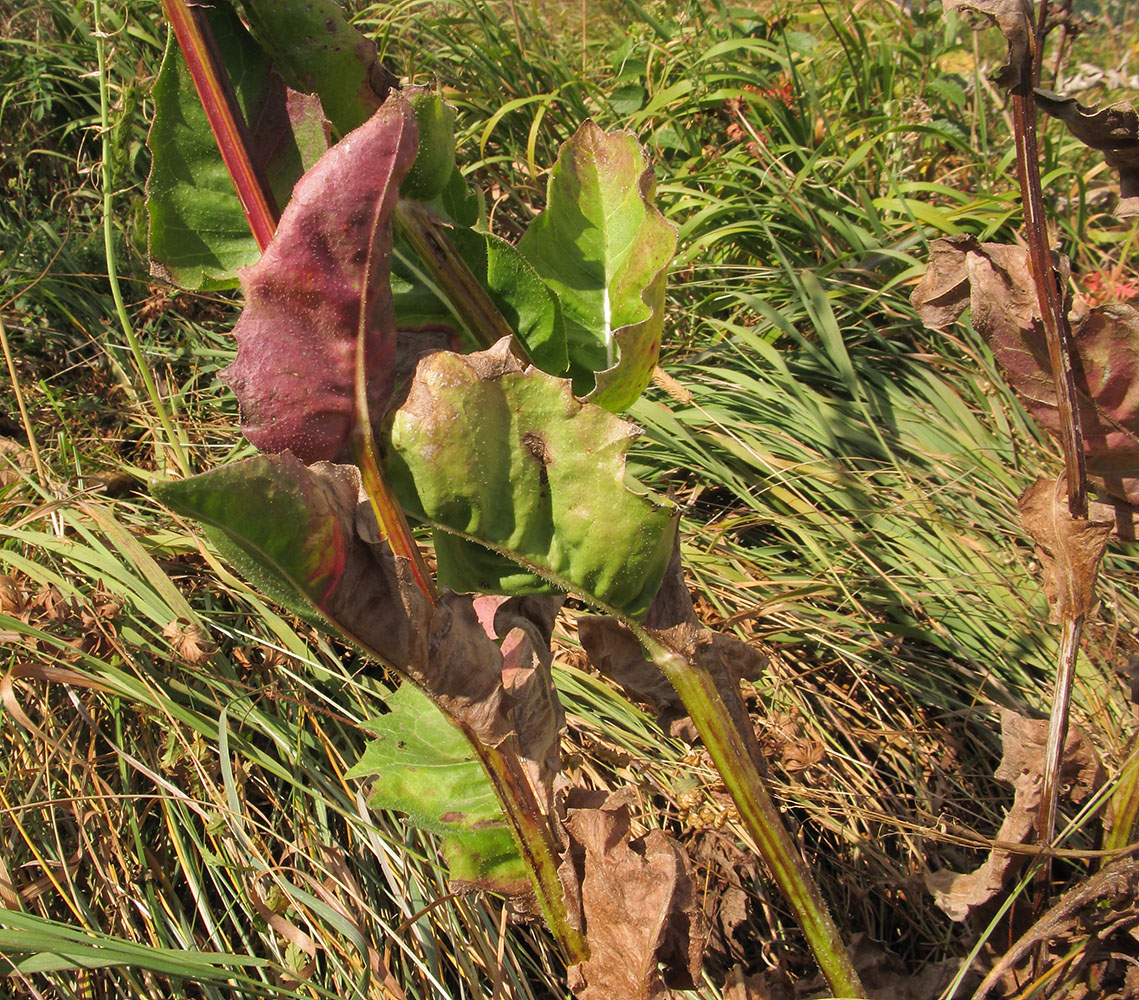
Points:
[(994, 281), (639, 906), (318, 51), (1113, 130), (199, 235), (604, 248), (1070, 548), (422, 766), (318, 304), (1014, 18), (307, 539), (512, 459)]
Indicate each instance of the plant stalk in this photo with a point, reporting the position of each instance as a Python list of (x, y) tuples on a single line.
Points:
[(725, 744), (173, 440), (534, 839), (428, 237), (215, 92)]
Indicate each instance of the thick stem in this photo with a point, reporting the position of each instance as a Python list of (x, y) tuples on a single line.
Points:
[(725, 744), (1056, 330), (534, 838), (428, 237), (215, 92)]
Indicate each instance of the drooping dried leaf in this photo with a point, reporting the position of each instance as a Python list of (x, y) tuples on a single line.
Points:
[(994, 282), (1070, 549), (550, 491), (1014, 18), (1023, 741), (307, 539), (639, 905), (604, 248), (318, 303), (1113, 130), (189, 640), (422, 766), (525, 626), (199, 235)]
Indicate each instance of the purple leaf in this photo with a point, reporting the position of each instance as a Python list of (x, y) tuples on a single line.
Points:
[(318, 308)]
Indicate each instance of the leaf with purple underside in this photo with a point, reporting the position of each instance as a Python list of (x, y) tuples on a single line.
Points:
[(318, 306), (994, 282)]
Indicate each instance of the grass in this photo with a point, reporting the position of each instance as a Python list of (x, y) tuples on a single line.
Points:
[(848, 485)]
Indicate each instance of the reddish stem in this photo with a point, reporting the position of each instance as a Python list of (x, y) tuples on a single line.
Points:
[(211, 80)]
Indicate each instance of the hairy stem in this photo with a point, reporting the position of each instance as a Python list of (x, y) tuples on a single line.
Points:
[(215, 92), (729, 752), (474, 306)]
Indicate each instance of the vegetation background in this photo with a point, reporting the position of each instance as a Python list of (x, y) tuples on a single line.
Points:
[(173, 817)]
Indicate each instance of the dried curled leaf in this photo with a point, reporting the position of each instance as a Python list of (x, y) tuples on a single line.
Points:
[(318, 311), (1070, 549), (1014, 19), (1113, 130), (994, 282), (1023, 740), (639, 904)]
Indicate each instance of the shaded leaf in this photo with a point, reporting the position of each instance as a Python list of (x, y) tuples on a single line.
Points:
[(317, 51), (318, 304), (604, 248), (639, 904), (199, 235), (1014, 18), (509, 457), (1070, 549), (1023, 741), (435, 158), (422, 766), (1113, 130), (994, 282), (307, 539)]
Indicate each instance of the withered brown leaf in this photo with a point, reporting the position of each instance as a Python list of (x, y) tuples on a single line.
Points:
[(1113, 130), (1070, 549), (1014, 19), (639, 905)]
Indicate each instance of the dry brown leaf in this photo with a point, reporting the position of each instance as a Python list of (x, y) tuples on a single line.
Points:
[(639, 906), (1070, 549), (1014, 18), (15, 462), (1023, 741), (189, 641), (1113, 130), (525, 625), (994, 282)]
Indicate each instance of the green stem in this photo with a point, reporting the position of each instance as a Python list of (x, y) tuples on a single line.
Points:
[(474, 306), (1125, 806), (173, 440), (729, 752), (534, 839)]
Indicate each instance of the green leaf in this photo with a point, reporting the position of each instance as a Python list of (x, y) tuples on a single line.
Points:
[(317, 51), (199, 235), (526, 302), (435, 159), (512, 459), (603, 247), (424, 767)]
